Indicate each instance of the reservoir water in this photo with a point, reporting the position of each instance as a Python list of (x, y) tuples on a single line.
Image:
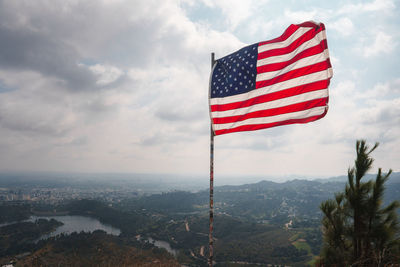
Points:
[(87, 224), (72, 223), (163, 244), (77, 224)]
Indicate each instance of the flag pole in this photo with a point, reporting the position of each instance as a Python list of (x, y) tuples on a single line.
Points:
[(210, 235)]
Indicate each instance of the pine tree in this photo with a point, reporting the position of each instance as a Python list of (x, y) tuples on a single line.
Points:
[(357, 230)]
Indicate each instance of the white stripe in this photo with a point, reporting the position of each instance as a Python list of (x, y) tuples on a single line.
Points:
[(326, 51), (286, 57), (295, 65), (272, 104), (302, 80), (283, 117), (299, 32)]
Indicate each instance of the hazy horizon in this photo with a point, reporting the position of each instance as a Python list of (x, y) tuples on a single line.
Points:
[(184, 180)]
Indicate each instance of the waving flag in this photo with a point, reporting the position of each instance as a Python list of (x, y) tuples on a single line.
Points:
[(272, 83)]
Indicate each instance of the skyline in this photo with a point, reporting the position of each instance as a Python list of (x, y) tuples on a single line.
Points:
[(122, 86)]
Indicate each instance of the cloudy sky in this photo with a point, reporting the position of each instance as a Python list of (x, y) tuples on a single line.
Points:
[(122, 86)]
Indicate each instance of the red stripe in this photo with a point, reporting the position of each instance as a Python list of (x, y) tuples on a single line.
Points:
[(303, 54), (274, 111), (312, 24), (290, 48), (329, 62), (310, 34), (273, 96), (269, 125), (320, 66), (289, 31)]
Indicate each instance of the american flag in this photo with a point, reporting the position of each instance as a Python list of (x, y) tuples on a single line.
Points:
[(272, 83)]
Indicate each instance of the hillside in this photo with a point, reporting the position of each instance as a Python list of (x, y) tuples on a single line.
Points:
[(96, 249), (259, 224), (265, 201)]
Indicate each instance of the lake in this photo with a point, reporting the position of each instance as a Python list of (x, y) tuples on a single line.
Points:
[(77, 224), (163, 244)]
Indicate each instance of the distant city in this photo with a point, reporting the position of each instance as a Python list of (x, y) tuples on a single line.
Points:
[(54, 188), (58, 195)]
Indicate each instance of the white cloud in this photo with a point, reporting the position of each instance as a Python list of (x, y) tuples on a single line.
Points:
[(343, 90), (236, 11), (106, 74), (344, 26), (382, 112), (383, 43), (335, 61), (380, 90), (301, 16), (377, 5), (373, 114), (146, 64), (162, 101)]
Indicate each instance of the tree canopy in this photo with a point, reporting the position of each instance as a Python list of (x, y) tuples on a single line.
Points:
[(357, 229)]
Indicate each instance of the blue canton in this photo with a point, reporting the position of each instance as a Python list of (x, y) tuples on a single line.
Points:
[(236, 73)]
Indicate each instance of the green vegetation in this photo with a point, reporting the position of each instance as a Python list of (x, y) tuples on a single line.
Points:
[(96, 249), (302, 245), (19, 237), (261, 245), (357, 230), (236, 240), (14, 212), (172, 202)]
